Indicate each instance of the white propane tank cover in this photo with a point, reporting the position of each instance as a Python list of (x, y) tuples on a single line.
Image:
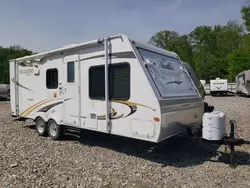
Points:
[(214, 125)]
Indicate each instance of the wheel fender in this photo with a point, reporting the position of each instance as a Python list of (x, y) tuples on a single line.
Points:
[(56, 119), (47, 117), (42, 115)]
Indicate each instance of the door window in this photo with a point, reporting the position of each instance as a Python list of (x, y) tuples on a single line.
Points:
[(71, 71)]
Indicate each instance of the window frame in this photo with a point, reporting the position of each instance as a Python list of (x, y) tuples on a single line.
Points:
[(109, 67), (47, 78), (71, 82)]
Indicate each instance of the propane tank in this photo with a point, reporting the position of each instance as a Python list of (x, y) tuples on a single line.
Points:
[(214, 126)]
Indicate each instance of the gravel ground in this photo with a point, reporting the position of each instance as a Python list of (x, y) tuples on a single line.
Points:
[(100, 160)]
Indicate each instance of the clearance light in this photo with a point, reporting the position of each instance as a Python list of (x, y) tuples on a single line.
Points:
[(156, 119)]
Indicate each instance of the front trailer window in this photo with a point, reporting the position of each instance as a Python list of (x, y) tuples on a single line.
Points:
[(168, 75)]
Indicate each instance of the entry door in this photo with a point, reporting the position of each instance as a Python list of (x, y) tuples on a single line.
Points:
[(70, 90)]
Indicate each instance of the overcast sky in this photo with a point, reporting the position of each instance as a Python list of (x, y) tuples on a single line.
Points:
[(42, 25)]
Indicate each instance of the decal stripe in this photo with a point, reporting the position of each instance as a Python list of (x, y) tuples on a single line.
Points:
[(133, 109), (117, 117), (48, 107), (32, 107), (44, 109), (35, 107), (17, 83), (132, 104), (113, 114)]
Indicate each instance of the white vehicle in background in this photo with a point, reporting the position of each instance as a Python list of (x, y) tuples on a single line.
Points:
[(203, 82), (218, 87), (4, 91), (243, 83)]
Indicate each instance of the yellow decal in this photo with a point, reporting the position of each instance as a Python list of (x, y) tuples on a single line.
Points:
[(33, 107)]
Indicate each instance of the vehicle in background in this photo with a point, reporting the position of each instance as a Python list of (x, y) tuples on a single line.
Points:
[(4, 91), (218, 87), (203, 82), (243, 83)]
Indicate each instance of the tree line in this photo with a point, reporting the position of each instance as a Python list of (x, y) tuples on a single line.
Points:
[(213, 51), (7, 54)]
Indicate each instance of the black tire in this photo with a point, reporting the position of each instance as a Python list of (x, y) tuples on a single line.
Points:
[(212, 94), (41, 127), (189, 132), (55, 131)]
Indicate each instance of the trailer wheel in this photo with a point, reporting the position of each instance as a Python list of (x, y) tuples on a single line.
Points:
[(212, 94), (41, 127), (55, 131)]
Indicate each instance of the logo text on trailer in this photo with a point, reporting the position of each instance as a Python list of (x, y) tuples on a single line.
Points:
[(26, 71)]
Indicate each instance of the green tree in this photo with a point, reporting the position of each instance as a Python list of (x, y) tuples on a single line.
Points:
[(245, 15), (211, 47), (172, 41), (164, 39), (7, 54), (203, 40), (238, 61)]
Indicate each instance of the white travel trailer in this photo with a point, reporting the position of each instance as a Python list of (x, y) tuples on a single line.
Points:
[(112, 85), (218, 87), (243, 83)]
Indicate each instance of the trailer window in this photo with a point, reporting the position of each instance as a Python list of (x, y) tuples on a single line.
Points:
[(71, 71), (168, 75), (96, 82), (119, 82), (52, 78)]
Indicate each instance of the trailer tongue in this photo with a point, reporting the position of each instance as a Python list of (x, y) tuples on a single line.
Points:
[(213, 131)]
